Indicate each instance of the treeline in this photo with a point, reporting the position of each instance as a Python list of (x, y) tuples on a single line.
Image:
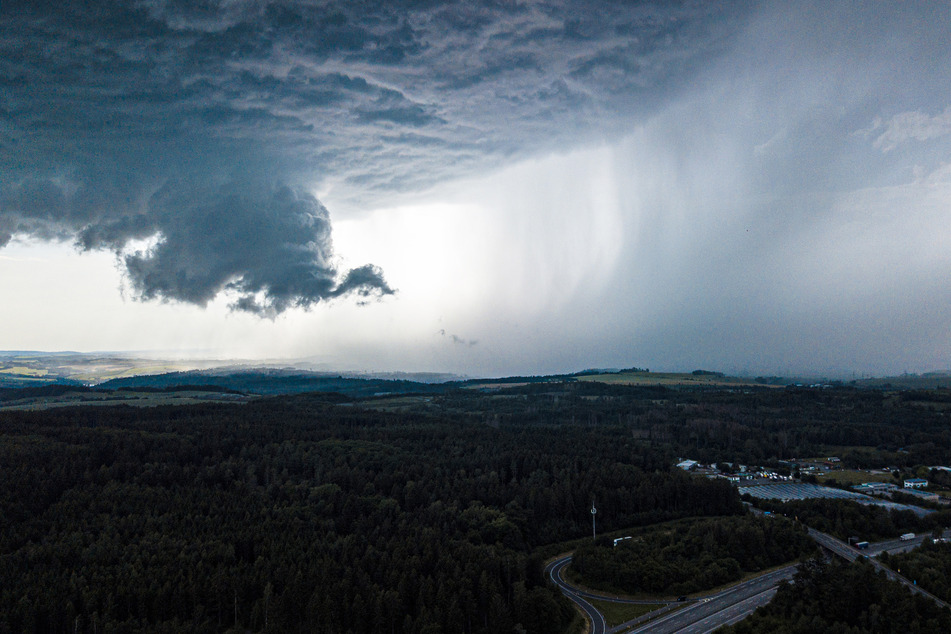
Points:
[(928, 565), (296, 515), (742, 425), (838, 597), (276, 381), (57, 389), (844, 519), (689, 557)]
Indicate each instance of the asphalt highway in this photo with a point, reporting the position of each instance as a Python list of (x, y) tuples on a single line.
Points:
[(556, 568), (899, 546), (701, 615), (706, 614), (722, 608), (598, 625), (835, 546), (733, 614), (843, 550)]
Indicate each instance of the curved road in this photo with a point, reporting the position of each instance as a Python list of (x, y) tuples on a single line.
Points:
[(703, 615), (706, 614), (598, 624)]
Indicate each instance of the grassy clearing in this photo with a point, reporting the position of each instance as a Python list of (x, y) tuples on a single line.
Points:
[(135, 399), (100, 373), (617, 613), (25, 371), (494, 386), (18, 380), (396, 403), (669, 378), (854, 476)]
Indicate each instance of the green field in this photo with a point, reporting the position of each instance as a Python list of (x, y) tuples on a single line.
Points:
[(135, 399), (396, 403), (854, 476), (679, 379), (91, 368), (928, 381), (101, 373), (617, 613), (25, 371)]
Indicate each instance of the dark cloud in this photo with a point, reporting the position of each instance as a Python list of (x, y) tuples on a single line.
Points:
[(268, 245), (456, 339), (273, 248), (173, 120)]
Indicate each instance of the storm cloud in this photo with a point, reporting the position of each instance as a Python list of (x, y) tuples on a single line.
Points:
[(206, 127), (740, 184), (267, 246)]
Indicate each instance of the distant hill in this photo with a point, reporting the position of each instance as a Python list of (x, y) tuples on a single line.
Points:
[(19, 369), (112, 370), (16, 380), (40, 391), (695, 379), (926, 381), (268, 382), (57, 395)]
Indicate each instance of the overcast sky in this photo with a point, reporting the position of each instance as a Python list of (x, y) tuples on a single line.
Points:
[(484, 188)]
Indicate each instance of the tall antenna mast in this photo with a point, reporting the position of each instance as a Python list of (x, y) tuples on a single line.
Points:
[(594, 530)]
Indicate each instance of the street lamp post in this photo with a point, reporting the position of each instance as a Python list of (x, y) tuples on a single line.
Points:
[(594, 531)]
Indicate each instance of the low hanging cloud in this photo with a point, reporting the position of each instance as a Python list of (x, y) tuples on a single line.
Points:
[(202, 127), (269, 247)]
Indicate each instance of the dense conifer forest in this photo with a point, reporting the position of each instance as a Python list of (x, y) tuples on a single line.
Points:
[(929, 566), (844, 598), (298, 515), (409, 513)]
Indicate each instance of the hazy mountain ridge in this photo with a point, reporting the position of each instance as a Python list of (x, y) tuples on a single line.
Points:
[(31, 368), (113, 370)]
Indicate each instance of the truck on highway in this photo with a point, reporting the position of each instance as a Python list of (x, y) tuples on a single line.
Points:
[(861, 545), (907, 537)]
